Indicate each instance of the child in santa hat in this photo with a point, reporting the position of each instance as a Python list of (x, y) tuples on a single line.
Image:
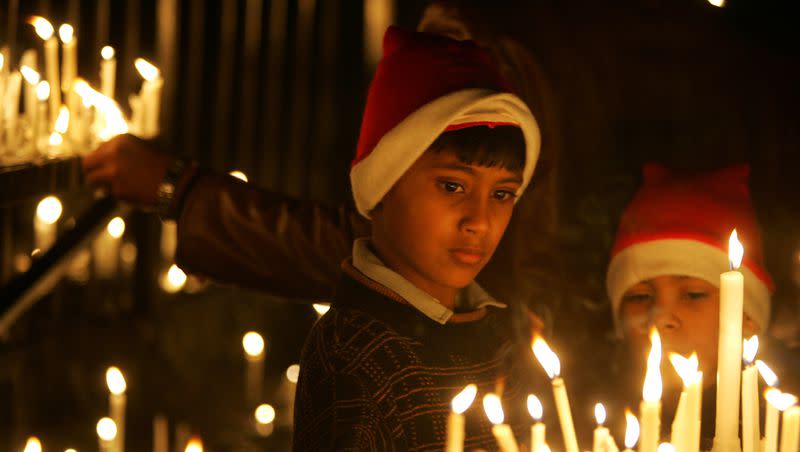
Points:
[(443, 154)]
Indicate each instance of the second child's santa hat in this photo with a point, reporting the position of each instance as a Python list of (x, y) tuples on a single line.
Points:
[(681, 226), (425, 85)]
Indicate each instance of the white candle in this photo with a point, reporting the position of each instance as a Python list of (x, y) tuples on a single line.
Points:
[(160, 434), (611, 445), (502, 432), (69, 71), (253, 345), (106, 249), (31, 102), (265, 419), (46, 31), (45, 222), (150, 96), (751, 433), (116, 404), (631, 431), (29, 68), (455, 421), (729, 354), (650, 408), (790, 431), (680, 423), (108, 71), (686, 425), (552, 365), (776, 401), (41, 129), (11, 108), (600, 432), (106, 432), (537, 429)]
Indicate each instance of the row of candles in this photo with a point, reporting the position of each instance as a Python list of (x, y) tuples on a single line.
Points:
[(111, 429), (52, 127), (734, 384)]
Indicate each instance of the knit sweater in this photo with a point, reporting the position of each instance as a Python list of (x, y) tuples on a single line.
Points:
[(376, 374)]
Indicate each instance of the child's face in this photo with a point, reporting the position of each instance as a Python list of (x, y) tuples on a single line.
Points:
[(441, 222), (684, 309)]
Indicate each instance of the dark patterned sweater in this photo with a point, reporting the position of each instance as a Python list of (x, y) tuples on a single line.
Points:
[(376, 374)]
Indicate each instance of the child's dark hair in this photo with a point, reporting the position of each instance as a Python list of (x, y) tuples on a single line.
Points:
[(502, 146)]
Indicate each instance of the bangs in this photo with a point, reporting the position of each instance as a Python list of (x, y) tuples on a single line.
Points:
[(500, 146)]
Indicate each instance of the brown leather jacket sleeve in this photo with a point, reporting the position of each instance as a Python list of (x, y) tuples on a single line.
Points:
[(236, 233)]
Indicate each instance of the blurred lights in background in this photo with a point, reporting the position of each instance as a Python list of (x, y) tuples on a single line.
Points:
[(253, 344), (321, 308), (717, 3), (239, 175), (293, 373)]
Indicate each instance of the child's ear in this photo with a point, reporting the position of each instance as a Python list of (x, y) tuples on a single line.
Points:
[(749, 326)]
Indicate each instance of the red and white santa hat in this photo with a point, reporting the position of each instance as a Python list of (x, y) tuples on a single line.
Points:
[(681, 226), (424, 85)]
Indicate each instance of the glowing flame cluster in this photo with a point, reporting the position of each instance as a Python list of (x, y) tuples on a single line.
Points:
[(651, 392), (546, 357), (462, 401), (111, 116)]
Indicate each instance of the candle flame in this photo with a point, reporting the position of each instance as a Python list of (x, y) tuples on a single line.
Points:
[(147, 70), (782, 401), (66, 33), (535, 407), (62, 121), (766, 373), (2, 61), (685, 367), (194, 445), (462, 401), (116, 227), (493, 408), (106, 429), (174, 280), (33, 445), (600, 413), (546, 357), (56, 139), (666, 447), (651, 392), (717, 3), (265, 414), (107, 52), (293, 373), (239, 175), (735, 250), (749, 349), (43, 27), (43, 90), (631, 429), (49, 210), (253, 343), (322, 308), (115, 381), (30, 75)]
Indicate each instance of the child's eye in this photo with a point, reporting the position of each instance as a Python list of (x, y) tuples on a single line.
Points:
[(451, 187), (696, 295), (637, 298), (504, 195)]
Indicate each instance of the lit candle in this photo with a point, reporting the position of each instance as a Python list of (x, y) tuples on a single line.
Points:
[(45, 226), (790, 436), (169, 239), (502, 432), (776, 401), (611, 445), (253, 345), (40, 124), (11, 110), (106, 249), (46, 31), (751, 433), (30, 73), (455, 421), (33, 445), (116, 404), (137, 114), (194, 445), (160, 434), (685, 426), (173, 280), (600, 432), (108, 71), (538, 429), (631, 431), (552, 365), (650, 408), (69, 71), (106, 432), (729, 359), (150, 96), (770, 441), (265, 419)]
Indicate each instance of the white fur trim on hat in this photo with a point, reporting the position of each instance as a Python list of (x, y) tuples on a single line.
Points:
[(642, 261), (398, 149)]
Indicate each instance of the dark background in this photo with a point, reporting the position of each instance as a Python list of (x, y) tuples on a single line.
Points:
[(275, 89)]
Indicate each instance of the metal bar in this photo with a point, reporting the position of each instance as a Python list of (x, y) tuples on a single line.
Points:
[(272, 96), (251, 47), (223, 104), (167, 42), (193, 129)]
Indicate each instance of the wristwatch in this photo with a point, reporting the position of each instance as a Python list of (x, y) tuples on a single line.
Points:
[(166, 189)]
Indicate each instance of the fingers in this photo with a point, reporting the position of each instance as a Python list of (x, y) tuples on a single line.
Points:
[(102, 175), (97, 158)]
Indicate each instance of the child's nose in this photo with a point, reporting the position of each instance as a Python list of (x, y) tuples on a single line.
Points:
[(664, 318), (476, 215)]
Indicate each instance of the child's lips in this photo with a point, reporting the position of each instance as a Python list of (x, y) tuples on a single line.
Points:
[(467, 256)]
